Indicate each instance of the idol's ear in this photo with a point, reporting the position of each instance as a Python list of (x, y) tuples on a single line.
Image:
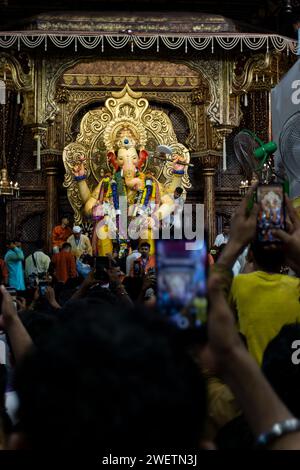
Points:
[(143, 155), (112, 159)]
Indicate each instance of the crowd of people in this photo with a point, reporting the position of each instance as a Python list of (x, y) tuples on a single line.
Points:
[(89, 363)]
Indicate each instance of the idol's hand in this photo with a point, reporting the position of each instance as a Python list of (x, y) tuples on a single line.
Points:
[(78, 169)]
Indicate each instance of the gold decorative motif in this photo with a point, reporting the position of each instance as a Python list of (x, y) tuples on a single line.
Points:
[(145, 80), (169, 81), (209, 160), (198, 95), (81, 79), (119, 80), (93, 79), (256, 73), (68, 79), (106, 80), (210, 70), (131, 80), (62, 95), (21, 80), (156, 80), (181, 80), (194, 81)]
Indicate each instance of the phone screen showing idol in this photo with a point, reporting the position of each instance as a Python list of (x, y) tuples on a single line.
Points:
[(182, 282), (271, 213)]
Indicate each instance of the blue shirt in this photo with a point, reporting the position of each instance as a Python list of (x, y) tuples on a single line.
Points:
[(13, 260)]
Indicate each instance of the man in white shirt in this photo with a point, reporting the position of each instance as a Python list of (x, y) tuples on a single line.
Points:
[(224, 236), (38, 262), (79, 243), (175, 218), (134, 245)]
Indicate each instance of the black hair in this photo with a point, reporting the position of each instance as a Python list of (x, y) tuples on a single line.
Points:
[(38, 324), (88, 259), (134, 244), (179, 190), (145, 244), (269, 259), (66, 245), (133, 286), (39, 244), (108, 379), (279, 368)]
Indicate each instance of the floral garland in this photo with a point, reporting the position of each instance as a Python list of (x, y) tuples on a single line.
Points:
[(148, 192), (115, 196)]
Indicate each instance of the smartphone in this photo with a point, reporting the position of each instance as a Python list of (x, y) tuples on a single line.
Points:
[(101, 264), (12, 291), (42, 287), (182, 282), (272, 214)]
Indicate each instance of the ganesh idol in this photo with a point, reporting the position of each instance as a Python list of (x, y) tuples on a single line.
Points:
[(128, 190), (112, 181)]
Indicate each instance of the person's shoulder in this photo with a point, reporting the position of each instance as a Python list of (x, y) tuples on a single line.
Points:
[(292, 280), (242, 279)]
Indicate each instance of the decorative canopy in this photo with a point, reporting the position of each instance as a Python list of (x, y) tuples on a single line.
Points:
[(142, 31)]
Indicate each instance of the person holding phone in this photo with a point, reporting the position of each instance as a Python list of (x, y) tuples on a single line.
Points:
[(263, 300)]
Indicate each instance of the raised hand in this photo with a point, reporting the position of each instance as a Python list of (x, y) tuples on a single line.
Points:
[(243, 223), (242, 231), (8, 310), (78, 169), (291, 239)]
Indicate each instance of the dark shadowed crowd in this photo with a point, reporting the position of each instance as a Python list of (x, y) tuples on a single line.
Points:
[(88, 362)]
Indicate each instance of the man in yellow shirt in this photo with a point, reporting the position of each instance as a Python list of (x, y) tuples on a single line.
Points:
[(264, 300), (80, 243)]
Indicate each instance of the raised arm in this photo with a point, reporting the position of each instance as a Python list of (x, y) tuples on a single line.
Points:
[(15, 254), (10, 322), (88, 199), (242, 231), (262, 407), (291, 239)]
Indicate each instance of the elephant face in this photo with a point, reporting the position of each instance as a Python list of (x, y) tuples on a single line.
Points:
[(128, 160)]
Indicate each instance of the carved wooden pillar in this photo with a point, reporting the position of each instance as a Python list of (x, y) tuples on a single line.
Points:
[(209, 160), (51, 161)]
